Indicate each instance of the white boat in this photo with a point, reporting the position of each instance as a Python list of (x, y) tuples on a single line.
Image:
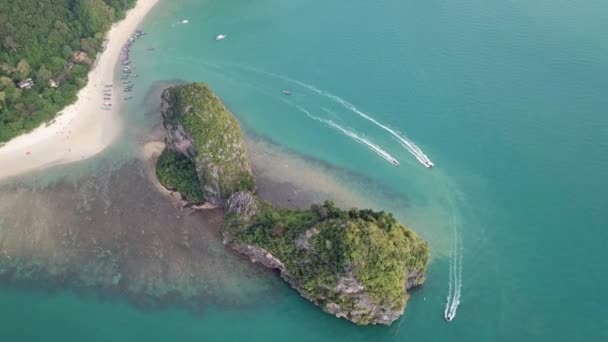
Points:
[(286, 92), (429, 164), (221, 36), (185, 21), (394, 162)]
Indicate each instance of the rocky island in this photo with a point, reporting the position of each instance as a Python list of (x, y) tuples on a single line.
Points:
[(355, 264)]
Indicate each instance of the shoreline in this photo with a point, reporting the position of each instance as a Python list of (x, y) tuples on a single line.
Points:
[(82, 129)]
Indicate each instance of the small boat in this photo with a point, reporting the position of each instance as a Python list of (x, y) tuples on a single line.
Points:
[(394, 162), (286, 92), (221, 36), (185, 21), (429, 164)]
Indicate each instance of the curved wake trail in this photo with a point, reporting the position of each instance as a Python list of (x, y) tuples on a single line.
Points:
[(382, 153), (455, 277), (410, 146), (451, 277)]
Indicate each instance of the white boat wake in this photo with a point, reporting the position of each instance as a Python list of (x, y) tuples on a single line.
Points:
[(410, 146), (455, 278), (382, 153)]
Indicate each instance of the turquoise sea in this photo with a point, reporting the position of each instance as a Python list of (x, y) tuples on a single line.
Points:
[(509, 99)]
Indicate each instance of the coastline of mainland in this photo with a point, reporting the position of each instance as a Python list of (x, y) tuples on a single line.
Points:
[(82, 129)]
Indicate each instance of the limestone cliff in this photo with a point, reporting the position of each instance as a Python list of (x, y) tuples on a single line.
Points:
[(357, 264)]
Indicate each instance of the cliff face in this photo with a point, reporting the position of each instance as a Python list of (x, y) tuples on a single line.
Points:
[(198, 125), (355, 264)]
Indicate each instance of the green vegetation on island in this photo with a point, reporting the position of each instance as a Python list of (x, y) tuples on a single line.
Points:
[(46, 50), (176, 172), (332, 255), (199, 126), (356, 264)]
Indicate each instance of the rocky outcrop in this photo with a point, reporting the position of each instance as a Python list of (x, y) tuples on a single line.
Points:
[(198, 125), (357, 306), (355, 264)]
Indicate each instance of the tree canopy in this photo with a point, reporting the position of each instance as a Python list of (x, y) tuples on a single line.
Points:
[(38, 39)]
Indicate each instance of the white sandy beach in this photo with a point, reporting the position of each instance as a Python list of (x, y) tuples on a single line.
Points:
[(83, 129)]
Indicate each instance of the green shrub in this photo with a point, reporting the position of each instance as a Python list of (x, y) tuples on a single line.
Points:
[(176, 172)]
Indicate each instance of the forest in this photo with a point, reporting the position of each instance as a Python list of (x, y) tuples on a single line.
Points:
[(39, 40)]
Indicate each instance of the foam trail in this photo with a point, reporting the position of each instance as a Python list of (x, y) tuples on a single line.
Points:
[(407, 144), (452, 298), (456, 262), (456, 280), (451, 276), (382, 153)]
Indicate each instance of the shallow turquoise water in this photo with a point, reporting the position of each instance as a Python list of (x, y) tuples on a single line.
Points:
[(507, 98)]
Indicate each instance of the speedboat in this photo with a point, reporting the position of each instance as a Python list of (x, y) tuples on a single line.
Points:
[(394, 162), (286, 92), (428, 164), (221, 36), (185, 21)]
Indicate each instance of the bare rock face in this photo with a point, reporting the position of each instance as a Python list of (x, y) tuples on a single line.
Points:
[(244, 204)]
